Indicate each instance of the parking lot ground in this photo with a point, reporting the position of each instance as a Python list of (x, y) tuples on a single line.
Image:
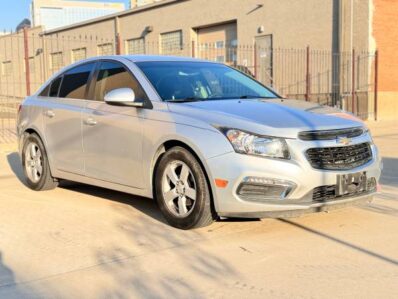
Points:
[(85, 242)]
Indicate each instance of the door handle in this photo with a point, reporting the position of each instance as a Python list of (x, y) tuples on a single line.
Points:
[(90, 121), (49, 113)]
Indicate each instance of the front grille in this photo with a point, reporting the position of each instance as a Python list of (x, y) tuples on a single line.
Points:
[(331, 134), (339, 158), (327, 193)]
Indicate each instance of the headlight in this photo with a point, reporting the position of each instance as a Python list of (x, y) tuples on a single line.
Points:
[(251, 144)]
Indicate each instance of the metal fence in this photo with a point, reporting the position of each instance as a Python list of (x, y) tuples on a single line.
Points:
[(346, 79)]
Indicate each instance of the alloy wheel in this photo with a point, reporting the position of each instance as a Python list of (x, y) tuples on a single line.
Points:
[(179, 188), (33, 162)]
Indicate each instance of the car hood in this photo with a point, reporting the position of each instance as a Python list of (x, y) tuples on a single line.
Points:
[(276, 117)]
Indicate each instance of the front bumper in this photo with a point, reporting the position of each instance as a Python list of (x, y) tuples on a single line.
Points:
[(305, 209), (235, 168)]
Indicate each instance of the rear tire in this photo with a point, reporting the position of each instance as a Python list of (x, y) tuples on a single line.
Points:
[(182, 191), (35, 164)]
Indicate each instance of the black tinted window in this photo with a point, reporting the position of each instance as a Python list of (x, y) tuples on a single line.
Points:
[(55, 87), (45, 91), (113, 75), (75, 82)]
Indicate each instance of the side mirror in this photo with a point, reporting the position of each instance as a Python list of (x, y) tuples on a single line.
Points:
[(123, 97)]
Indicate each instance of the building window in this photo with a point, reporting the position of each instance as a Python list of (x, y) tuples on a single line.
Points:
[(219, 45), (79, 54), (105, 49), (136, 46), (6, 68), (56, 61), (171, 42)]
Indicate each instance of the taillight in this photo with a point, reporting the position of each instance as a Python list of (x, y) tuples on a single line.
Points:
[(19, 108)]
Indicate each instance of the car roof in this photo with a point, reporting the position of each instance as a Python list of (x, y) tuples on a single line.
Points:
[(145, 58)]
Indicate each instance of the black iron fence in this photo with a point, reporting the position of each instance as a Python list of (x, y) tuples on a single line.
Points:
[(345, 79)]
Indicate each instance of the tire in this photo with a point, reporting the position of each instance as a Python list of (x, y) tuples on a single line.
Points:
[(173, 184), (36, 166)]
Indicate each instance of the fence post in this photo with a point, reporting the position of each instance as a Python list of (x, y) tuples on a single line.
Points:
[(353, 82), (307, 76), (376, 87), (255, 59), (193, 49), (27, 68), (118, 44)]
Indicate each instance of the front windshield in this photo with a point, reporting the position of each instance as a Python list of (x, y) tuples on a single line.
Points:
[(200, 81)]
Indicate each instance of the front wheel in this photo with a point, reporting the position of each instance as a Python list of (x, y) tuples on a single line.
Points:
[(182, 191)]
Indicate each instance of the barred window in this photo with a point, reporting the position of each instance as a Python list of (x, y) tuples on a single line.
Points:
[(105, 49), (79, 54), (56, 61), (6, 68), (136, 46), (171, 42)]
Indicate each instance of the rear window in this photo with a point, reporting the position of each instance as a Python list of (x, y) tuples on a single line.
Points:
[(75, 82)]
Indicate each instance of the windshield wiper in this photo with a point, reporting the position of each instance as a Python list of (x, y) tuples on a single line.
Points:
[(255, 97), (186, 100)]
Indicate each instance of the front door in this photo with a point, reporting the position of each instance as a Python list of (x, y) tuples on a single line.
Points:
[(112, 135), (62, 119)]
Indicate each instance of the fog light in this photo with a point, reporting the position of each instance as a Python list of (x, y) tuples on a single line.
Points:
[(264, 189)]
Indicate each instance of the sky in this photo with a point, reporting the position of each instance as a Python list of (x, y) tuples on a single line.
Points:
[(12, 12)]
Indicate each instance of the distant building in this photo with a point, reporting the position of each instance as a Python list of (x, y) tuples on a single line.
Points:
[(52, 14), (137, 3)]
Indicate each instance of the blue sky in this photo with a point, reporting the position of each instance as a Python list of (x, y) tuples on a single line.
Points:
[(14, 11)]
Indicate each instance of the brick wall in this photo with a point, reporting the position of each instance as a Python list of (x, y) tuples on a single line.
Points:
[(385, 32)]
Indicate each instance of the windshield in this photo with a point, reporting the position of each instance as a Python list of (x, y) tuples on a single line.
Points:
[(200, 81)]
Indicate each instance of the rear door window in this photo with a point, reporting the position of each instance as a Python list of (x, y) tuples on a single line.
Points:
[(74, 83)]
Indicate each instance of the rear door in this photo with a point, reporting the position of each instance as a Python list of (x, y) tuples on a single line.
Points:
[(112, 135), (62, 118)]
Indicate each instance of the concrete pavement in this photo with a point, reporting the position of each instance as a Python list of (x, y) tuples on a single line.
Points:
[(85, 242)]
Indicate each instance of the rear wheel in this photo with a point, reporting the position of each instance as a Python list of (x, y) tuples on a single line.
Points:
[(182, 191), (35, 164)]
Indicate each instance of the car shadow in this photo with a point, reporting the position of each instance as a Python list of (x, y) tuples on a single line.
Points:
[(145, 205), (14, 161)]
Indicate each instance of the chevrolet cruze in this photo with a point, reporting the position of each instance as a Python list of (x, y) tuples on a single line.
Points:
[(203, 139)]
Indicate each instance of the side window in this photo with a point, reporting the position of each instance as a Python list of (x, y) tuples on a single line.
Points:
[(113, 75), (55, 87), (45, 91), (75, 82)]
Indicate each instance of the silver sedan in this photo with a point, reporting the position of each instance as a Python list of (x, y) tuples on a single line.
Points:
[(203, 139)]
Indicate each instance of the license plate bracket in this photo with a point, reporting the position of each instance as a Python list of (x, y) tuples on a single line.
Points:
[(352, 183)]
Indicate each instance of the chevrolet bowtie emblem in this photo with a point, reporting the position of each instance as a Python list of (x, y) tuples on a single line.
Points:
[(344, 140)]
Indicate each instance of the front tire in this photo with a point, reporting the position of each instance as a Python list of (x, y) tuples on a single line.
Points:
[(182, 191), (35, 164)]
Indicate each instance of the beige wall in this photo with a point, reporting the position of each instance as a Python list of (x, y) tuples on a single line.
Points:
[(293, 23)]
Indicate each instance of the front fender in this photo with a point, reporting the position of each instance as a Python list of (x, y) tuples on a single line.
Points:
[(205, 143)]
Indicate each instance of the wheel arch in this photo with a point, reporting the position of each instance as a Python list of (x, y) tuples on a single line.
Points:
[(167, 145), (33, 130)]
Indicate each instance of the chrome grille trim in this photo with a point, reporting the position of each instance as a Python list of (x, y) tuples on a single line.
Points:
[(331, 134)]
